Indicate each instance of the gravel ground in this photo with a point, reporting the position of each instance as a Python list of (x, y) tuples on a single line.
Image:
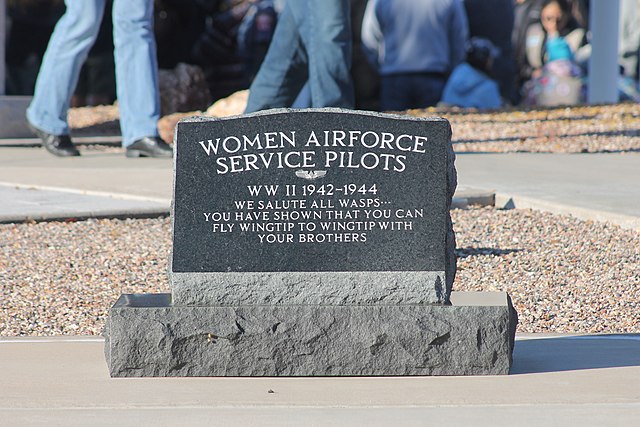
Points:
[(563, 274), (580, 129), (60, 278)]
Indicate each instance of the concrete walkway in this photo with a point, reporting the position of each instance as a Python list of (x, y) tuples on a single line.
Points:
[(37, 185), (602, 187), (555, 381)]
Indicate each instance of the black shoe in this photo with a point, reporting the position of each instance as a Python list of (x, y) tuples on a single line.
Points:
[(149, 146), (58, 145)]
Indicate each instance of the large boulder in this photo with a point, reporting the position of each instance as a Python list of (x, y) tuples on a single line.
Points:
[(183, 89), (232, 105)]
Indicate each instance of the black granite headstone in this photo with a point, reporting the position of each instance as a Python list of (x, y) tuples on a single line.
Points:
[(312, 242), (311, 191)]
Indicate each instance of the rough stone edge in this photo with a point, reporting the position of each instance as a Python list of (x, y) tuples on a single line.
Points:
[(275, 111), (343, 350), (451, 260), (335, 288)]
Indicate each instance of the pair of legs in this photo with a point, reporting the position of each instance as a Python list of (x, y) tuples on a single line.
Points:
[(135, 59), (399, 92), (312, 43)]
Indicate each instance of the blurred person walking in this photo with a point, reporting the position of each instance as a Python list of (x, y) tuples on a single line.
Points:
[(414, 45), (311, 45), (136, 76)]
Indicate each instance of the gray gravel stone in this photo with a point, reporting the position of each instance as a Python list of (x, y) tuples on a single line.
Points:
[(563, 274)]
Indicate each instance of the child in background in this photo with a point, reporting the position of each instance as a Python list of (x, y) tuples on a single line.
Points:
[(559, 81), (470, 84), (552, 48)]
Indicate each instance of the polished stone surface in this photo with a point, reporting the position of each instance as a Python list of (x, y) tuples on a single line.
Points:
[(294, 206)]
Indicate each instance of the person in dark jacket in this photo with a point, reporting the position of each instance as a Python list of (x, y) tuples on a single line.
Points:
[(415, 46)]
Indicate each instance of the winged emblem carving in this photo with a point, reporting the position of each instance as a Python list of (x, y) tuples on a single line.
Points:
[(310, 175)]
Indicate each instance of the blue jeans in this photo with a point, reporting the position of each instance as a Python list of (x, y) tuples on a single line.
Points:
[(312, 43), (136, 67), (399, 92)]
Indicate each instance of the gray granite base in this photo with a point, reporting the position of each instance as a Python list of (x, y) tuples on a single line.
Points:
[(309, 288), (147, 336)]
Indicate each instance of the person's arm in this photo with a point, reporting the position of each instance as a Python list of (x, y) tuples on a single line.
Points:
[(371, 35)]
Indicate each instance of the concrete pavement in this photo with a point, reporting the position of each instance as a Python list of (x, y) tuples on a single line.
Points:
[(596, 186), (603, 187), (94, 172), (555, 380), (37, 185)]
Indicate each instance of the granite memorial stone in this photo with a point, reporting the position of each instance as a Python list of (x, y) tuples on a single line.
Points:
[(312, 242), (302, 207)]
